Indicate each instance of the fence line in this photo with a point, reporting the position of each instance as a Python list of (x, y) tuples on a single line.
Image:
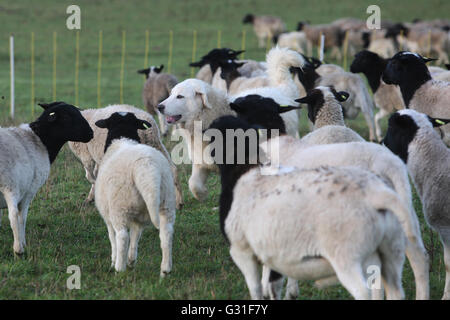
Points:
[(54, 64), (32, 74), (99, 67), (78, 63), (122, 65)]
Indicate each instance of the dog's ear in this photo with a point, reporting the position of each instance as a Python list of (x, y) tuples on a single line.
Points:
[(203, 92)]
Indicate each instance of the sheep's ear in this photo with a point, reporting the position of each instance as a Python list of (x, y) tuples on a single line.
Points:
[(158, 70), (307, 99), (239, 64), (425, 59), (102, 123), (45, 106), (146, 72), (235, 107), (447, 66), (295, 70), (438, 122), (342, 96), (286, 108), (196, 64), (143, 125)]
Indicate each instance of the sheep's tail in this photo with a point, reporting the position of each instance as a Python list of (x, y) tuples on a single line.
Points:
[(148, 182), (279, 60), (386, 199)]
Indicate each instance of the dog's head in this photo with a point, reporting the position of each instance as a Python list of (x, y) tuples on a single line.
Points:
[(186, 101)]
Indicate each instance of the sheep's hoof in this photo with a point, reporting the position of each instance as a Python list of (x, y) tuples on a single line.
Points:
[(19, 255), (164, 274), (180, 206)]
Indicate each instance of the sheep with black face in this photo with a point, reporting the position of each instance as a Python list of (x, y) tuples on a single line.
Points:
[(419, 91), (296, 224), (26, 153), (157, 88), (386, 97), (410, 135), (134, 187)]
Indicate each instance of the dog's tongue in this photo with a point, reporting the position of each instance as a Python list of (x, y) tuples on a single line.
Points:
[(171, 119)]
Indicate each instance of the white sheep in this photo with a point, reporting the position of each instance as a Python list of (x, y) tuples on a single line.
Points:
[(26, 153), (374, 158), (310, 223), (134, 186), (91, 154), (419, 91), (411, 136)]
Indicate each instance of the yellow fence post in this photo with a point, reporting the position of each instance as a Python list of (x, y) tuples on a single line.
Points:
[(54, 64), (269, 39), (32, 74), (194, 50), (219, 38), (429, 43), (77, 64), (345, 50), (99, 67), (169, 62), (122, 65), (243, 44), (147, 46)]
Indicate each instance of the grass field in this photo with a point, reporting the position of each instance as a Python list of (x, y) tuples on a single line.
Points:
[(61, 229)]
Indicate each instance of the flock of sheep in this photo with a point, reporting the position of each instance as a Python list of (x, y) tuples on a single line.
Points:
[(329, 206)]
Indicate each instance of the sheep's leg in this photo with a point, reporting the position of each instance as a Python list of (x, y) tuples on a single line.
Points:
[(135, 235), (248, 264), (23, 208), (197, 182), (166, 238), (178, 190), (368, 116), (392, 260), (445, 238), (271, 287), (163, 124), (418, 259), (122, 243), (112, 240), (16, 221), (291, 289), (91, 173), (352, 278), (380, 115)]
